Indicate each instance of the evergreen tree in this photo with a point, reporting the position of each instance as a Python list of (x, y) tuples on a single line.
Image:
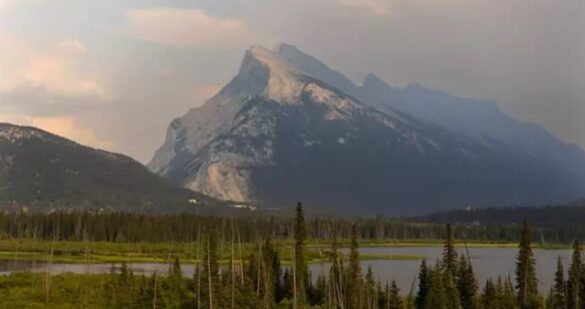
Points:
[(466, 284), (574, 279), (210, 281), (287, 284), (300, 269), (436, 297), (526, 282), (558, 295), (370, 290), (506, 295), (424, 284), (354, 272), (451, 292), (489, 297), (394, 299), (449, 252)]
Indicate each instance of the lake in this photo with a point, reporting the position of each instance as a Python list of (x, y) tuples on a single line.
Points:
[(487, 262)]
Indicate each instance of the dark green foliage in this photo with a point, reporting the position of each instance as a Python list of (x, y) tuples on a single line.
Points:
[(489, 297), (394, 299), (466, 284), (370, 292), (451, 292), (437, 296), (574, 279), (526, 282), (449, 253), (558, 299), (354, 272), (424, 285), (299, 266)]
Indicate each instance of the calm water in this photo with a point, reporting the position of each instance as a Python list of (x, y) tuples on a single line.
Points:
[(487, 262)]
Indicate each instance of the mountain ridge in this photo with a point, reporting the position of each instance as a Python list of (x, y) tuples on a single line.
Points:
[(283, 130), (43, 171)]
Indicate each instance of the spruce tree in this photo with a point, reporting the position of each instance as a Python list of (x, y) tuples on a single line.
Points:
[(574, 279), (449, 253), (451, 292), (558, 295), (394, 299), (424, 284), (354, 272), (506, 295), (436, 297), (489, 297), (466, 284), (300, 269), (526, 282), (370, 289), (210, 281)]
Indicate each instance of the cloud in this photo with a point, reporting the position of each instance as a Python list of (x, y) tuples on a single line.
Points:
[(55, 68), (186, 27), (375, 7), (63, 126)]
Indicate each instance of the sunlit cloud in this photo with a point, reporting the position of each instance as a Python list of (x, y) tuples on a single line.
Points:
[(186, 27), (63, 126), (55, 68)]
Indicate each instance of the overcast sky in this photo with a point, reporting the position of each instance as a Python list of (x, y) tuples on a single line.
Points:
[(114, 73)]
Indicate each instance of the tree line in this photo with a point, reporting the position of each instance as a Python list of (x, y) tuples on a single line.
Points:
[(261, 280), (140, 227)]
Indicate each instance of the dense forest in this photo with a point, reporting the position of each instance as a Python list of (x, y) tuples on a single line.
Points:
[(545, 217), (140, 227), (262, 280)]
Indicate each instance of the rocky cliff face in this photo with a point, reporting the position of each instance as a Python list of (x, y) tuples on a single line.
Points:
[(287, 128)]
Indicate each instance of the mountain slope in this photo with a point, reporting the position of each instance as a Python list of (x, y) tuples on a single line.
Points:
[(284, 130), (479, 120), (42, 171)]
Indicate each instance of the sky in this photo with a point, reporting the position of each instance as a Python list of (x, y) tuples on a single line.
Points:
[(112, 74)]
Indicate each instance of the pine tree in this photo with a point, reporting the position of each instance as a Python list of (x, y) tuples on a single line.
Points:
[(370, 289), (300, 269), (526, 282), (176, 290), (466, 284), (394, 299), (574, 279), (506, 295), (210, 281), (489, 297), (558, 295), (449, 252), (436, 297), (354, 272), (424, 284), (451, 291), (287, 284)]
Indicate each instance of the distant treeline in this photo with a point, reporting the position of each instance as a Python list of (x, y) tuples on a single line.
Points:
[(494, 226)]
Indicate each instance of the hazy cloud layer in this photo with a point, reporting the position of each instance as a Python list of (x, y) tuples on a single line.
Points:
[(114, 74), (186, 27)]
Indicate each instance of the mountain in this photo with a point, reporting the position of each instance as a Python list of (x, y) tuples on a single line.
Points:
[(287, 128), (42, 171), (479, 120)]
